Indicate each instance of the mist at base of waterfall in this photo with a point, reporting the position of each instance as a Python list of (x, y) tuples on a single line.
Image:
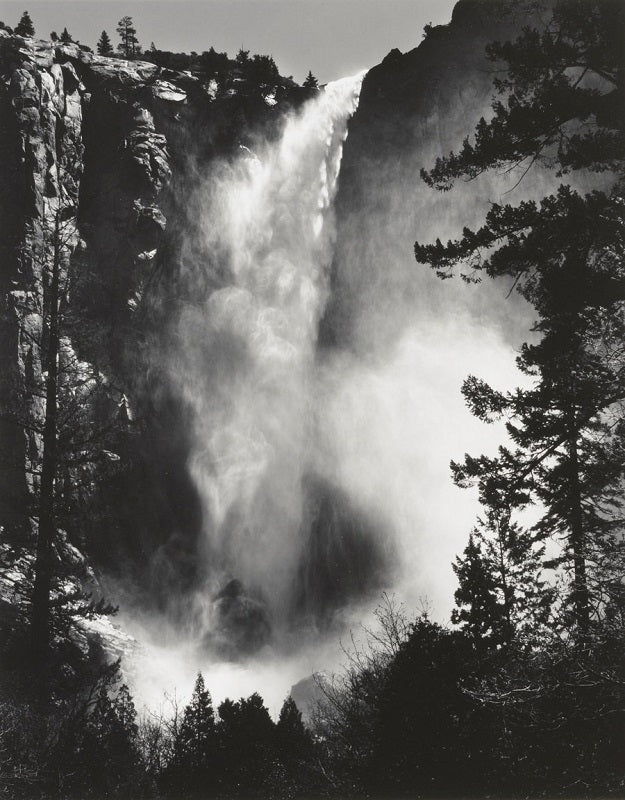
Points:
[(322, 474)]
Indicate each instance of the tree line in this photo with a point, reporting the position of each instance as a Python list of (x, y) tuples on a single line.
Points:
[(95, 745), (418, 710), (259, 68), (128, 46)]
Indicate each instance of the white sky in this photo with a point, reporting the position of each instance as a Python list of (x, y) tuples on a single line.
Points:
[(333, 38)]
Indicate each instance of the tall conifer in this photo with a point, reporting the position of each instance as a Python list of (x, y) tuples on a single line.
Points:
[(129, 44), (565, 256), (104, 45), (25, 26)]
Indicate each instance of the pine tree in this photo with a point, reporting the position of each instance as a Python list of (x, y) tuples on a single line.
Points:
[(421, 712), (129, 45), (246, 740), (107, 760), (294, 772), (104, 46), (262, 74), (546, 87), (500, 596), (478, 613), (66, 37), (59, 405), (192, 770), (25, 26), (242, 57), (310, 82), (569, 433), (215, 65), (62, 246), (294, 741), (195, 736), (290, 718), (564, 255)]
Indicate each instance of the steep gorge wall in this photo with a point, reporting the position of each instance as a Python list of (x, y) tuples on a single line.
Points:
[(414, 107), (77, 140), (115, 147), (120, 145)]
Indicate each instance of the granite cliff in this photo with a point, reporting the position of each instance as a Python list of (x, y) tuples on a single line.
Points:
[(414, 107)]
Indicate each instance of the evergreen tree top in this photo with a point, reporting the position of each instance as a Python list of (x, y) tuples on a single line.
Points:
[(25, 26), (310, 82), (104, 45), (198, 717), (290, 715)]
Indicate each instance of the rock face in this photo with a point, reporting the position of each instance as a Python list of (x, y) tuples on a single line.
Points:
[(101, 154), (79, 151), (414, 107), (111, 147), (42, 166)]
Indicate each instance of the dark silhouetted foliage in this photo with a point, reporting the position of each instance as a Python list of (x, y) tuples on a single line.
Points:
[(25, 26), (128, 46), (193, 766), (104, 46), (565, 256), (247, 747), (310, 82), (501, 593)]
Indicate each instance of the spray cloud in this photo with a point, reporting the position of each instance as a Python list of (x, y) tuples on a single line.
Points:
[(244, 360), (374, 419)]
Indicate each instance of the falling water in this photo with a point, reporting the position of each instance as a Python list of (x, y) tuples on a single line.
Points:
[(245, 360), (322, 472)]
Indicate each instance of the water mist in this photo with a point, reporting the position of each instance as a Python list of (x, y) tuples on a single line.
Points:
[(322, 471), (244, 364)]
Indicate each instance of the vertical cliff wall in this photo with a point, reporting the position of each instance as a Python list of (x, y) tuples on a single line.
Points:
[(80, 152), (110, 151), (415, 106)]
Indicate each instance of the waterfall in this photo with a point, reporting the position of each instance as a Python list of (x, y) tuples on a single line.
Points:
[(244, 362), (322, 472)]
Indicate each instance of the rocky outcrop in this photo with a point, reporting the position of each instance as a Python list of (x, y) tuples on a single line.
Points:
[(42, 166), (92, 192)]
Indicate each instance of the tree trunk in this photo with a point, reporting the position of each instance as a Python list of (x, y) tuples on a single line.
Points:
[(503, 525), (40, 623), (580, 596)]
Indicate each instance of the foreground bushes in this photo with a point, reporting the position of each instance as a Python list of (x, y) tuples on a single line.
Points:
[(419, 710), (436, 715)]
